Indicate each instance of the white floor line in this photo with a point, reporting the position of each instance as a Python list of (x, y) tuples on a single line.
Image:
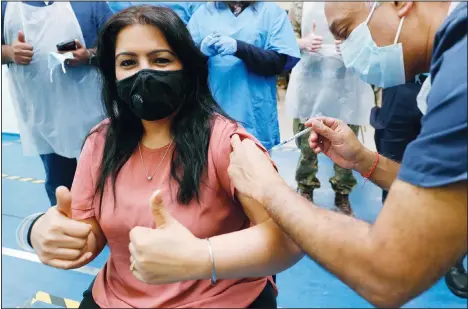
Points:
[(28, 256)]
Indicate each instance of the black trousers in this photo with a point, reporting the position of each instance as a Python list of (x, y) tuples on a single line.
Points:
[(397, 123), (266, 299), (60, 171)]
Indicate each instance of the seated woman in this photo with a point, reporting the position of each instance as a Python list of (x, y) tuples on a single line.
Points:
[(164, 132)]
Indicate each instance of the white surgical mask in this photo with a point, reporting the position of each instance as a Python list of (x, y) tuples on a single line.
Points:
[(57, 60), (379, 66)]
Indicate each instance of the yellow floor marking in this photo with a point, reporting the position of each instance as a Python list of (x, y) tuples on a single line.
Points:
[(25, 179), (54, 300), (71, 303), (43, 297)]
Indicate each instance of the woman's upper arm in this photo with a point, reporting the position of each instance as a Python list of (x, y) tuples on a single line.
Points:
[(222, 137), (83, 188)]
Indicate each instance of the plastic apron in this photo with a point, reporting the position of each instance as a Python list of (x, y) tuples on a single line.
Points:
[(426, 86), (321, 84), (52, 117)]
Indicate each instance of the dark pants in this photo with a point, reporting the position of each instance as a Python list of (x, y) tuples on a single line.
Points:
[(266, 299), (397, 123), (59, 172)]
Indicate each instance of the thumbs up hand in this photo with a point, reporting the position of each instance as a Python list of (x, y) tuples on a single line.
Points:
[(312, 42), (169, 253), (60, 241), (21, 52)]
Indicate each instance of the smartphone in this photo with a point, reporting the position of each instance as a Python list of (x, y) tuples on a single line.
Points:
[(67, 46)]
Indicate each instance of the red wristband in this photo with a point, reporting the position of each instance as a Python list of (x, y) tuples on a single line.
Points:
[(368, 174)]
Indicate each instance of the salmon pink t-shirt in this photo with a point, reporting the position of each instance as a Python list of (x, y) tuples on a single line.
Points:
[(217, 213)]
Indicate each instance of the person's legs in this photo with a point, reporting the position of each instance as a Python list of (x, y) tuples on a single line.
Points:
[(88, 301), (342, 183), (307, 166), (59, 172)]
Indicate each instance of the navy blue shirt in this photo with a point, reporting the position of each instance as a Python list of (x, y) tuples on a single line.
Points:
[(438, 156), (90, 15)]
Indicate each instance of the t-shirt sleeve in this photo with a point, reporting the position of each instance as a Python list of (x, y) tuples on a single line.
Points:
[(438, 156), (84, 183), (221, 138)]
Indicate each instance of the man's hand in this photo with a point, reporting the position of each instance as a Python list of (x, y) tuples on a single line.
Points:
[(336, 140), (311, 42), (20, 52), (250, 170), (80, 56), (58, 240), (169, 253)]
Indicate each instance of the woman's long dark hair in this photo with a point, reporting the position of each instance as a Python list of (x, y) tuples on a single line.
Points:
[(191, 126)]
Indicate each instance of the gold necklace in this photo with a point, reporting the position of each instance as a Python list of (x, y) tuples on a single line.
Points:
[(157, 168)]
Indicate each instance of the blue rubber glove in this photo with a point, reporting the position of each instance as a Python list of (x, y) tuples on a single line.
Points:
[(207, 46), (226, 45)]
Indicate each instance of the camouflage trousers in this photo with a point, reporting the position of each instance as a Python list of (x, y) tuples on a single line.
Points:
[(307, 167)]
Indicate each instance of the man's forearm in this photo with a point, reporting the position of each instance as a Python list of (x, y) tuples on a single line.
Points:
[(6, 54), (384, 173), (329, 238)]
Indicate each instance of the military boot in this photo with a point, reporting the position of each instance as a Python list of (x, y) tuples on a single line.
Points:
[(342, 204), (307, 193), (456, 280)]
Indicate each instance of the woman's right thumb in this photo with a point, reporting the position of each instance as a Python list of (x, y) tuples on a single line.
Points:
[(63, 201)]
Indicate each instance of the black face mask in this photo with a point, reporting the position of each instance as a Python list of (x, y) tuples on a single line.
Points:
[(153, 94)]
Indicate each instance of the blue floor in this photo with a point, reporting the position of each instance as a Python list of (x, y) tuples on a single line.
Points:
[(303, 286)]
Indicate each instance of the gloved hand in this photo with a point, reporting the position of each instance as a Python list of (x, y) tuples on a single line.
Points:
[(207, 45), (226, 45)]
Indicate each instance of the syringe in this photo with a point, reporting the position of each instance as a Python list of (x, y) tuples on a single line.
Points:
[(303, 132)]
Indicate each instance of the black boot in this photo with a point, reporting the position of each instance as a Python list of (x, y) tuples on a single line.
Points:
[(456, 280), (342, 204), (307, 193)]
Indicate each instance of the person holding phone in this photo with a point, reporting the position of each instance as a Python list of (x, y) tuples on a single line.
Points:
[(53, 117)]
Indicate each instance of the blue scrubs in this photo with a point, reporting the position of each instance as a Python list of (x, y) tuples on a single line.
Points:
[(245, 96), (438, 156), (185, 10)]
